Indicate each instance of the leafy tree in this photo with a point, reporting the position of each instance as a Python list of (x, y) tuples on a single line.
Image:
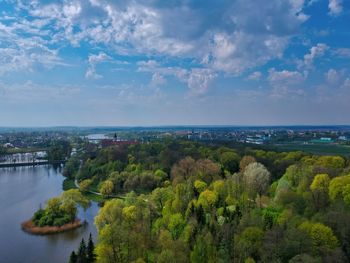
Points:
[(230, 161), (160, 196), (249, 243), (85, 184), (176, 225), (107, 188), (257, 178), (207, 170), (346, 194), (183, 170), (58, 150), (161, 174), (304, 258), (71, 167), (76, 196), (337, 185), (270, 216), (166, 256), (322, 236), (207, 199), (335, 162), (245, 161), (202, 213), (319, 189), (200, 186), (295, 242)]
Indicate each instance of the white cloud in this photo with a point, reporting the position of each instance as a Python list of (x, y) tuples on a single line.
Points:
[(24, 53), (199, 80), (230, 36), (285, 83), (93, 61), (32, 92), (332, 76), (255, 75), (285, 77), (346, 84), (281, 92), (315, 52), (157, 80), (342, 52), (335, 7)]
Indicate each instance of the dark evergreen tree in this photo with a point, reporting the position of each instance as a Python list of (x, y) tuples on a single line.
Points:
[(200, 215), (82, 257), (73, 257), (91, 250)]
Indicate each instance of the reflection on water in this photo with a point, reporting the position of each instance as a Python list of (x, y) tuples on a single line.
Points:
[(22, 157), (22, 191)]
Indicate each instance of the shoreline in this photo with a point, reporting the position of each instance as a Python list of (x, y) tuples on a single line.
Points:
[(29, 227)]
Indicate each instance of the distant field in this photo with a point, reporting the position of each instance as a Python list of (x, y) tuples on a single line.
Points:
[(320, 149)]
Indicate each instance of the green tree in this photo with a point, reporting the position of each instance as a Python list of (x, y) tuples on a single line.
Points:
[(160, 196), (107, 188), (249, 243), (161, 174), (81, 255), (207, 199), (71, 167), (319, 189), (73, 257), (304, 258), (76, 196), (346, 194), (200, 186), (257, 178), (337, 185), (85, 184), (53, 206), (91, 256), (245, 161), (176, 225), (230, 161), (322, 236)]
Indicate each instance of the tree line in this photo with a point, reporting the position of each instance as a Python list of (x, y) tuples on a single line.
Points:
[(190, 202)]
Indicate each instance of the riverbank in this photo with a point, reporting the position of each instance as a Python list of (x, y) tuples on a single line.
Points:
[(29, 227), (70, 184)]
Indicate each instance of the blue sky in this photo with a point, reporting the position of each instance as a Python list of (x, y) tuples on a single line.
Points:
[(155, 62)]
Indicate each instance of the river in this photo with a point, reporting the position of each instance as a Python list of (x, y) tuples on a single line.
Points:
[(22, 191)]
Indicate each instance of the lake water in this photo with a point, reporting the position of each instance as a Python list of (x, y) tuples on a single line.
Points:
[(22, 191)]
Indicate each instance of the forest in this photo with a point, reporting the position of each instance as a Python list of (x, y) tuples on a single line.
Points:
[(184, 201)]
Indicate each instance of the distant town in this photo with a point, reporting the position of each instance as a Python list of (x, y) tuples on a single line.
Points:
[(313, 139)]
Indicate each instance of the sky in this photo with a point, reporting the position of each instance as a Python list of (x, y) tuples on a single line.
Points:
[(174, 62)]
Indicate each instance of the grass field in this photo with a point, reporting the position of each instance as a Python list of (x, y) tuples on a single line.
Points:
[(69, 184), (318, 149)]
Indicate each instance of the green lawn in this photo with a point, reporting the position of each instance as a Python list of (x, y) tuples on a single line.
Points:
[(68, 184), (319, 149), (94, 197)]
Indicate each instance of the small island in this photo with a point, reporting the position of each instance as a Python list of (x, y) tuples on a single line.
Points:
[(59, 215)]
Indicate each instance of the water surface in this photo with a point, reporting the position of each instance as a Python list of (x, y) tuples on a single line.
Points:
[(22, 191)]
